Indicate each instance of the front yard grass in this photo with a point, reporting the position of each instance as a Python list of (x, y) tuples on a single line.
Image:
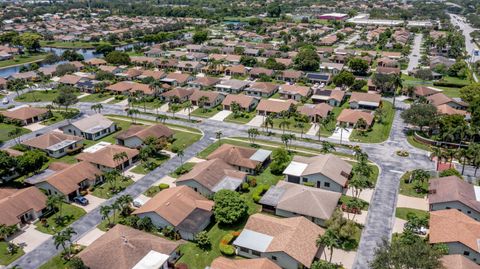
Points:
[(345, 198), (6, 128), (59, 115), (183, 140), (151, 164), (186, 167), (403, 212), (243, 118), (103, 190), (291, 125), (408, 189), (205, 113), (380, 131), (96, 97), (40, 96), (70, 213), (7, 258), (411, 140), (23, 59)]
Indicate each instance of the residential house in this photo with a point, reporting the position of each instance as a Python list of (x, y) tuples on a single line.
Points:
[(55, 144), (67, 179), (457, 231), (363, 100), (247, 160), (95, 62), (294, 92), (320, 78), (25, 114), (204, 83), (289, 75), (156, 75), (181, 208), (331, 97), (458, 261), (387, 62), (274, 107), (232, 86), (236, 70), (103, 156), (288, 242), (177, 95), (21, 206), (388, 70), (25, 76), (213, 175), (440, 60), (3, 84), (257, 72), (441, 99), (328, 40), (453, 192), (70, 80), (91, 128), (325, 171), (315, 112), (130, 87), (424, 91), (331, 68), (245, 102), (261, 89), (289, 199), (350, 117), (123, 247), (177, 79), (135, 135), (206, 99), (189, 66), (258, 263)]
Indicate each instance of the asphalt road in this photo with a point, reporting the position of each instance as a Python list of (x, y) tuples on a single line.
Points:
[(469, 44), (414, 56)]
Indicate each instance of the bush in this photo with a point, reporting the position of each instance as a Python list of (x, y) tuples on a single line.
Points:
[(202, 240), (182, 169), (259, 191), (225, 247), (449, 84), (309, 184), (227, 250), (163, 186), (245, 186), (252, 182), (229, 207), (450, 172)]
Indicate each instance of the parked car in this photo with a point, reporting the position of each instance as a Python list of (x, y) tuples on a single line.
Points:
[(5, 101), (81, 200), (421, 231)]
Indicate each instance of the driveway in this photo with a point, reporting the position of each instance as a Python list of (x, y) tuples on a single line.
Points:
[(257, 121), (195, 160), (412, 202), (90, 237), (185, 111), (135, 177), (346, 258), (30, 238), (337, 134), (163, 108), (34, 126), (220, 116), (313, 130), (167, 180), (93, 202)]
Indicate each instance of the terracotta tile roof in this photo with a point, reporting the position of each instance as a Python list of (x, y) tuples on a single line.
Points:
[(96, 61), (328, 165), (425, 91), (95, 121), (275, 106), (13, 152), (243, 100), (452, 189), (263, 87), (235, 155), (237, 69), (130, 86), (451, 226), (353, 115), (123, 247), (176, 204), (49, 139), (67, 180), (259, 263), (294, 236), (105, 155), (154, 74), (15, 202), (321, 110), (294, 74), (206, 81), (448, 110), (388, 70), (295, 89), (179, 92), (179, 77), (365, 97), (143, 132), (24, 113), (260, 70), (211, 95), (210, 173), (457, 261), (69, 79)]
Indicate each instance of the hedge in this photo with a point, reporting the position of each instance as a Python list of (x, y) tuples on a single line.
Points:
[(259, 191), (163, 186), (225, 247), (449, 84)]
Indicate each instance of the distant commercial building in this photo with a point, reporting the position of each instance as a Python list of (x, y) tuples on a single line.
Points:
[(333, 16)]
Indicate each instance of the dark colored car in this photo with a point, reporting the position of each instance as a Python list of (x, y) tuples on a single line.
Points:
[(81, 200)]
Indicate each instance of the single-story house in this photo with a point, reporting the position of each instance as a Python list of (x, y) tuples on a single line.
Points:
[(274, 106), (135, 136), (123, 247), (71, 80), (213, 175), (424, 91), (261, 89), (351, 117), (441, 99), (68, 179), (288, 242), (247, 160), (258, 263), (363, 100), (261, 71), (102, 155), (325, 171), (246, 103), (179, 207), (331, 97), (289, 199), (177, 79), (456, 230), (127, 87), (458, 261), (177, 95), (236, 70), (55, 144), (315, 112), (206, 99), (92, 128), (453, 192), (289, 75), (21, 206), (332, 68), (96, 62), (26, 114), (319, 78), (232, 86), (294, 92), (204, 83)]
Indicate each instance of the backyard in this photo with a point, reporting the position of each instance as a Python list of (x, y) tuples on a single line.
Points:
[(379, 131)]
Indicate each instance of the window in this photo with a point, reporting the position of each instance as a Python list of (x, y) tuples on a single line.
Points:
[(255, 253), (469, 212), (274, 258), (242, 249), (304, 179), (326, 184), (466, 253), (319, 184), (447, 207)]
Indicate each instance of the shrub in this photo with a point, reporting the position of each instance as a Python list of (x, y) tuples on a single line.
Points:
[(163, 186), (252, 182), (259, 191), (450, 172), (202, 240), (227, 250), (229, 207), (245, 186), (449, 84), (225, 247), (309, 184)]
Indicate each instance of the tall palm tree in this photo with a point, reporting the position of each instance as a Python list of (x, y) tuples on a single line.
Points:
[(124, 202), (105, 211), (342, 126), (201, 103), (327, 147), (120, 158), (218, 136), (284, 123), (267, 122), (189, 107), (162, 118), (329, 240), (300, 125), (180, 153)]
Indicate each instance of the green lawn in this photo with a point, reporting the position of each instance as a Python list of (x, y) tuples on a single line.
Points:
[(40, 96), (408, 189), (186, 166), (7, 258), (449, 91), (411, 140), (266, 177), (155, 103), (121, 125), (75, 44), (204, 113), (96, 97), (59, 115), (330, 127), (380, 131), (244, 118), (345, 198), (103, 190), (23, 59), (402, 212), (70, 212), (183, 140), (291, 127), (6, 128), (57, 262), (155, 162)]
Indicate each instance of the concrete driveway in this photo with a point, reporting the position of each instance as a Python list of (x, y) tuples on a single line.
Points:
[(338, 133), (93, 202), (163, 108), (412, 202), (185, 111), (34, 126), (257, 121), (30, 238), (220, 116), (167, 180), (90, 237), (313, 130)]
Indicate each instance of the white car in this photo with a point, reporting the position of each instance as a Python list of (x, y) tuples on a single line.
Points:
[(5, 101)]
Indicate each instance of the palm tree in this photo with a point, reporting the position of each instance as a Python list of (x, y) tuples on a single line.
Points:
[(437, 152), (286, 139), (218, 136), (474, 149), (201, 103), (301, 126), (124, 204), (463, 155), (132, 113), (105, 211), (55, 202), (189, 107), (252, 134), (327, 147), (119, 158), (162, 118), (49, 108), (68, 233), (180, 153), (267, 121), (328, 240), (60, 239), (342, 126), (285, 123)]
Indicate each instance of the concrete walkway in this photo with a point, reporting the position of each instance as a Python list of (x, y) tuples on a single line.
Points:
[(412, 202), (220, 116), (313, 130), (90, 237), (107, 100), (257, 121), (83, 95), (340, 135)]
